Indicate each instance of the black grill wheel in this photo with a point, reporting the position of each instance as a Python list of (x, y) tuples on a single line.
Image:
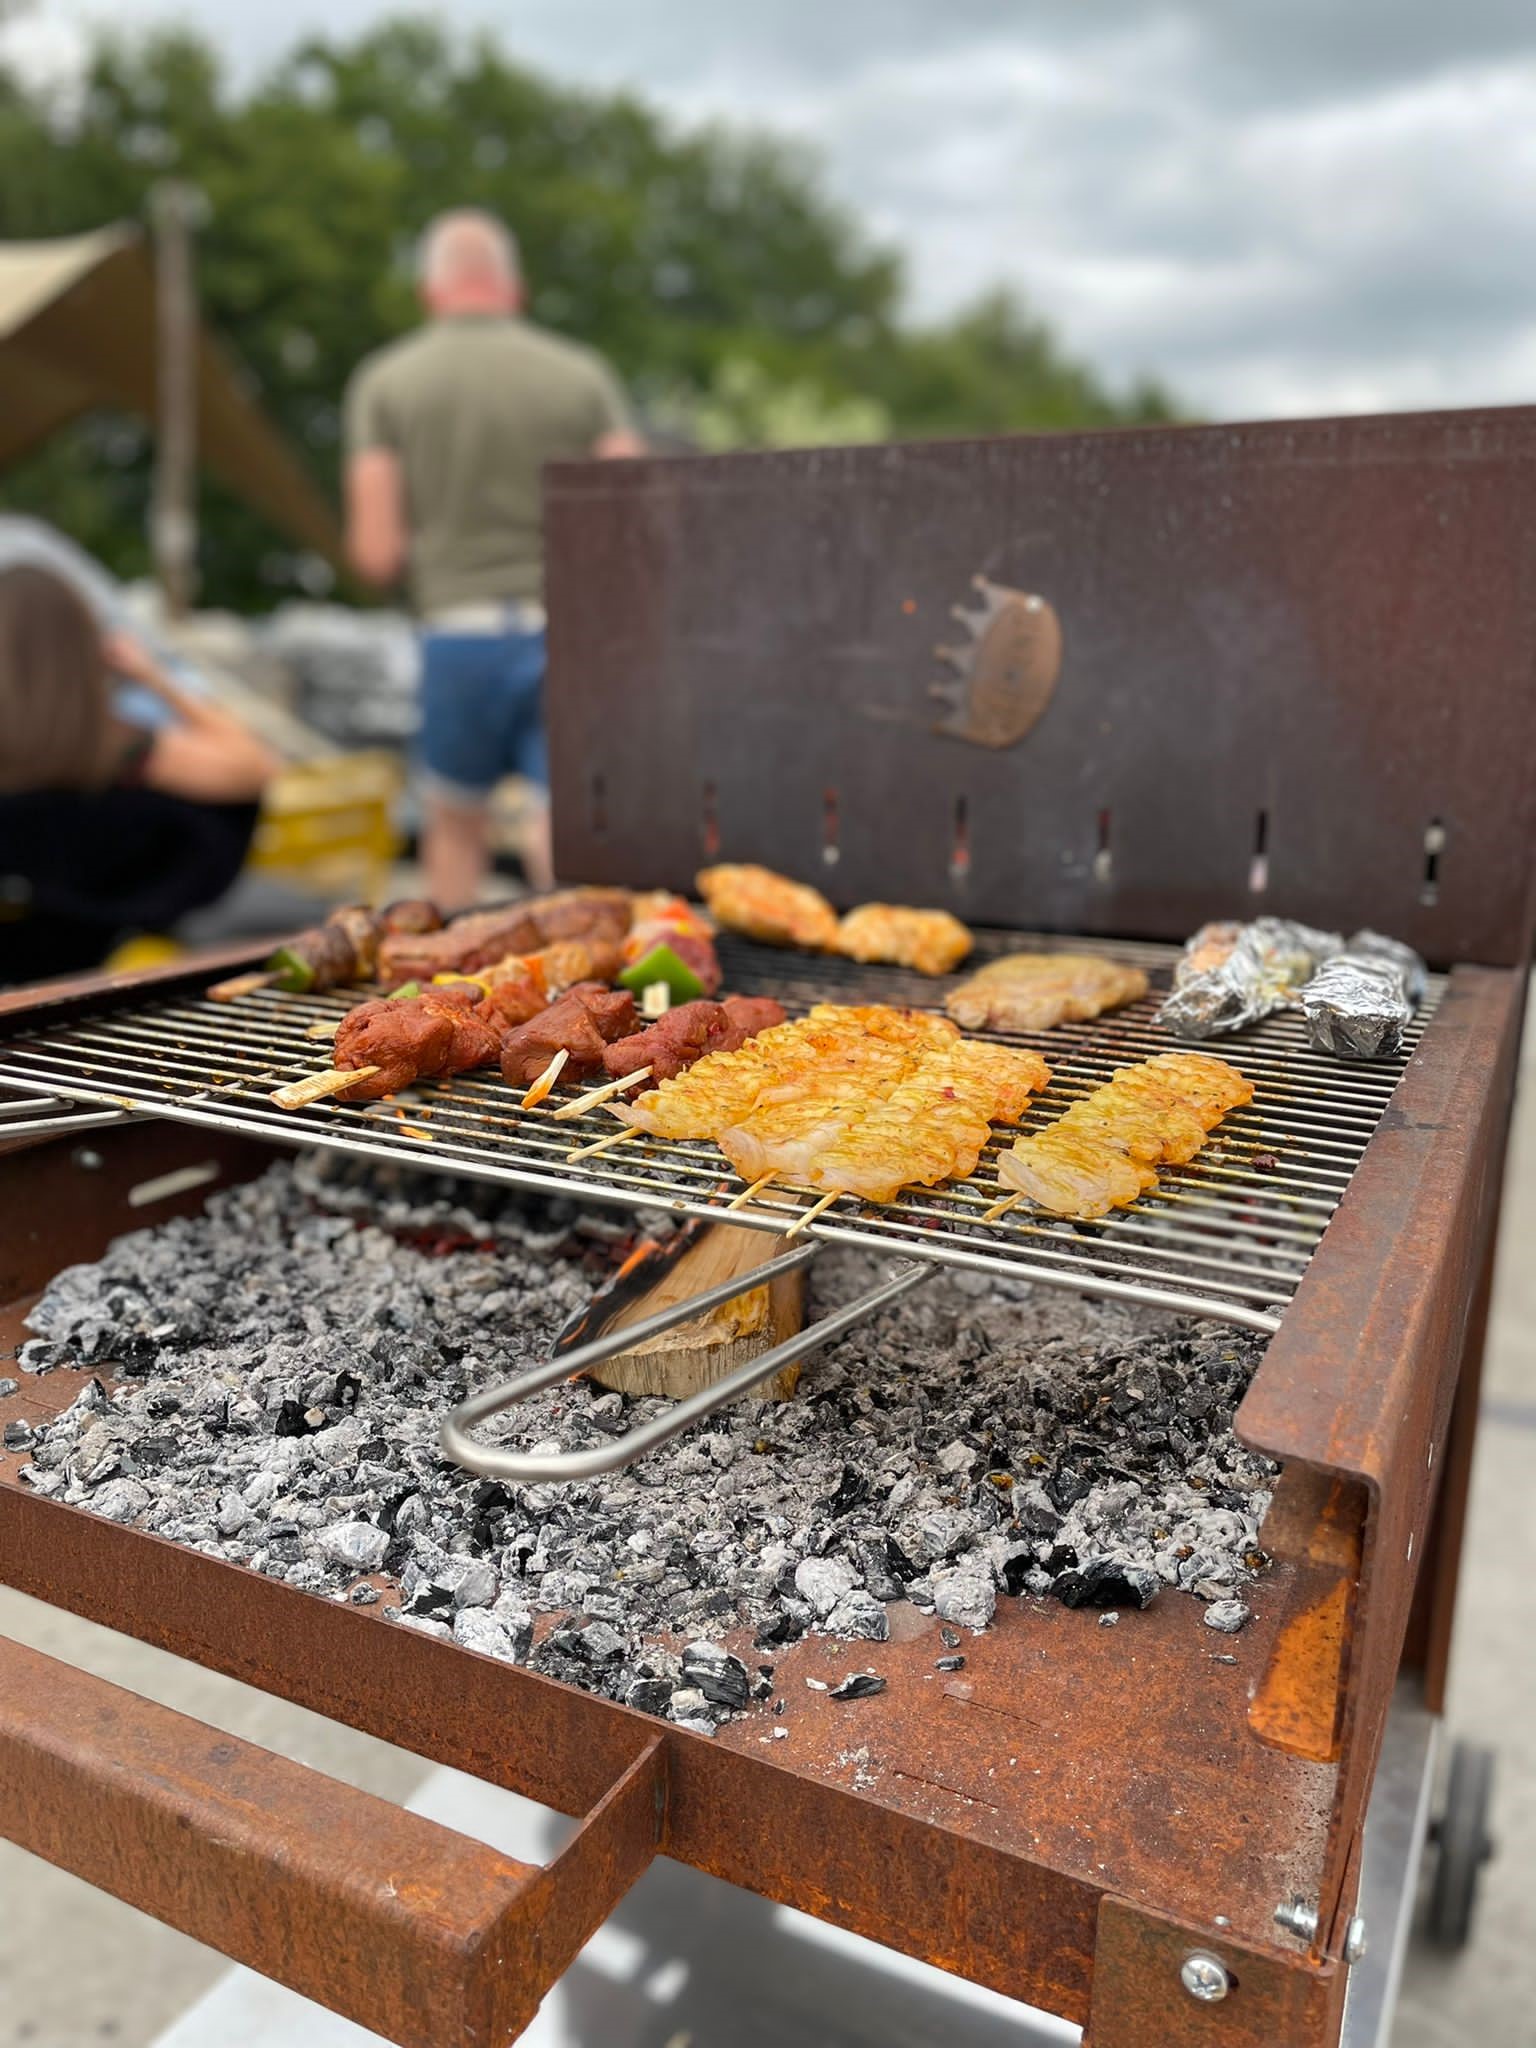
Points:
[(1463, 1845)]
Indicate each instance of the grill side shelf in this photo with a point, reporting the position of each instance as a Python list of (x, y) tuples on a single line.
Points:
[(1354, 1395)]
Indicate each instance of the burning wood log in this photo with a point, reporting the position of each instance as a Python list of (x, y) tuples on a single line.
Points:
[(679, 1362)]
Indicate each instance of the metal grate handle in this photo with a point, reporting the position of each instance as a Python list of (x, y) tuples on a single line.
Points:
[(566, 1465), (31, 1116)]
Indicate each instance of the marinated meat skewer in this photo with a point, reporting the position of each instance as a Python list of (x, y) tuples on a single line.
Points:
[(482, 937), (344, 949), (667, 925), (440, 1031), (519, 986), (664, 1049), (456, 1026), (584, 1022)]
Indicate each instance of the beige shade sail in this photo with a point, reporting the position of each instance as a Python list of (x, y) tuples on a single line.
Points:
[(77, 332)]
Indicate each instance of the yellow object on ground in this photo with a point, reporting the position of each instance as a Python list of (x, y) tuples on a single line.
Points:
[(329, 825), (147, 949)]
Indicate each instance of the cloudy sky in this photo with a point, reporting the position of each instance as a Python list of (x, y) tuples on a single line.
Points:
[(1278, 206)]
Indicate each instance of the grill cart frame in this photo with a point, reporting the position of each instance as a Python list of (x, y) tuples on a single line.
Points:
[(1082, 1813)]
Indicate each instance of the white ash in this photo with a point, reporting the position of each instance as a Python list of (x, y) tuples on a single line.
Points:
[(271, 1376)]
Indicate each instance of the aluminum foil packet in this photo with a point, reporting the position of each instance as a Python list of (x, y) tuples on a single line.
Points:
[(1357, 1005), (1234, 974), (1375, 946)]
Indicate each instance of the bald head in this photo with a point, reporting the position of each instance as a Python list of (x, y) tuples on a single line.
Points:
[(468, 264)]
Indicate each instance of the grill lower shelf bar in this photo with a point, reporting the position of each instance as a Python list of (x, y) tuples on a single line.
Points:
[(1228, 1236)]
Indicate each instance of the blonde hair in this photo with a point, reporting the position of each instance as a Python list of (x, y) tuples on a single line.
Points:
[(55, 724)]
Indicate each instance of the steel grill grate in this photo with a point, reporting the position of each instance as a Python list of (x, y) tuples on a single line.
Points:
[(1228, 1236)]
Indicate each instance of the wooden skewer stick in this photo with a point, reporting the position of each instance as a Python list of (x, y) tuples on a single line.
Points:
[(240, 985), (594, 1097), (537, 1090), (605, 1144), (1001, 1208), (809, 1215), (315, 1087), (326, 1028), (740, 1201)]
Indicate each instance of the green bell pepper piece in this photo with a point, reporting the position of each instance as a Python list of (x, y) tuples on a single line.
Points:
[(662, 964), (293, 971)]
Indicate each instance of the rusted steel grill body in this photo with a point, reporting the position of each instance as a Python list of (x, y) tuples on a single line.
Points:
[(1298, 653), (1077, 1799), (1229, 1235)]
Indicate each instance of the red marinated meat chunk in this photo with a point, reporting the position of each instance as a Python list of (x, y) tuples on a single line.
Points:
[(669, 1045), (512, 999), (582, 1022), (749, 1015), (476, 1040), (690, 1031), (401, 1039)]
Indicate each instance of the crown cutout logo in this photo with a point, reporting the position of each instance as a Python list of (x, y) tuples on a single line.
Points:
[(1005, 671)]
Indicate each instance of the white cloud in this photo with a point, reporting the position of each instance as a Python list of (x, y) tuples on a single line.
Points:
[(1276, 209)]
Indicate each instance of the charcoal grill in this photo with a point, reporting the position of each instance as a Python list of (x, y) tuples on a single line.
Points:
[(1228, 1236), (1294, 674)]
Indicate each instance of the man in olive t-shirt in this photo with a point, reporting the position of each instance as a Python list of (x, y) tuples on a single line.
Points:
[(447, 431)]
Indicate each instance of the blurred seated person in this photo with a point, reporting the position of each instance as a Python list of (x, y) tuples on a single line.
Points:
[(108, 827)]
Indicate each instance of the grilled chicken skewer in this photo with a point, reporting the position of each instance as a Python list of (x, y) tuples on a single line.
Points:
[(1102, 1153), (849, 1100)]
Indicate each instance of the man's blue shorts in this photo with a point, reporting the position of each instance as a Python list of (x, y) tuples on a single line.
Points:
[(481, 711)]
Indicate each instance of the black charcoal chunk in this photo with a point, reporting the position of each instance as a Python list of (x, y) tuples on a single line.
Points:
[(1105, 1583), (721, 1677), (858, 1685), (953, 1663), (598, 1642)]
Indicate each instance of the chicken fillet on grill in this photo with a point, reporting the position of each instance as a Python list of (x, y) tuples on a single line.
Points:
[(1033, 991), (768, 907)]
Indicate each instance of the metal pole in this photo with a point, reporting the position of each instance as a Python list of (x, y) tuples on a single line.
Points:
[(173, 510)]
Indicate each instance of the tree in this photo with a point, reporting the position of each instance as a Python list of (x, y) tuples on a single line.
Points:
[(733, 296)]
